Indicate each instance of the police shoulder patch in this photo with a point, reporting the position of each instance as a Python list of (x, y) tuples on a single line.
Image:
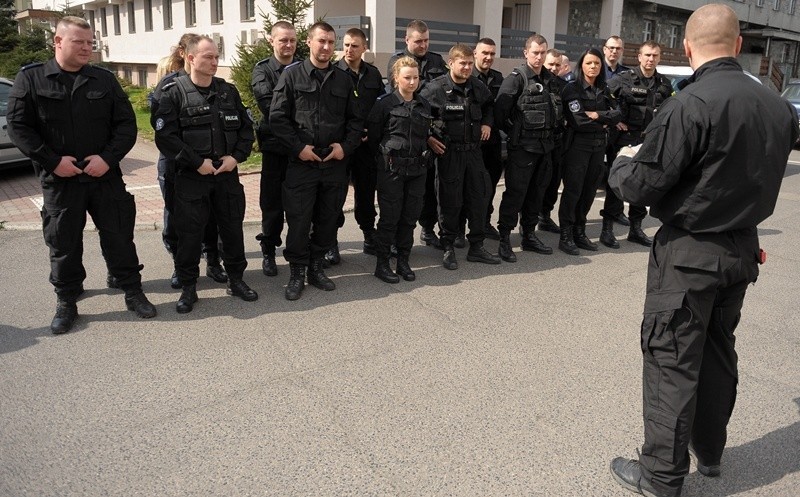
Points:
[(159, 124), (574, 106)]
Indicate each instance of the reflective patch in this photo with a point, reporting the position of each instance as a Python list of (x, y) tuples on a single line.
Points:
[(575, 106), (250, 115), (159, 124)]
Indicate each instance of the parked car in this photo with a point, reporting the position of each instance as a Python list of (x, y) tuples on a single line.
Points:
[(10, 156), (676, 74), (792, 94)]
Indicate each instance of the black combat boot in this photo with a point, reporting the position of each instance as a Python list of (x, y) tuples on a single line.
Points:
[(636, 235), (111, 282), (187, 299), (478, 253), (404, 269), (566, 243), (369, 242), (66, 314), (449, 258), (332, 256), (582, 241), (607, 237), (317, 277), (505, 251), (214, 269), (428, 237), (297, 281), (136, 301), (239, 288), (546, 223), (532, 243), (268, 265), (174, 282), (383, 270)]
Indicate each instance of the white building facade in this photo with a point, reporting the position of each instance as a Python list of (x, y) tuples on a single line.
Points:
[(132, 35)]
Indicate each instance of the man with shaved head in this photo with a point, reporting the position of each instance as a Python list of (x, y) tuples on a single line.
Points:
[(710, 167)]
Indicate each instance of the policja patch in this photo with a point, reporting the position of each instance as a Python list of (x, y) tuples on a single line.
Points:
[(159, 124), (574, 106)]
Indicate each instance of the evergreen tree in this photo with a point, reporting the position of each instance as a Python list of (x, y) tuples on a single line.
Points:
[(19, 49), (247, 56)]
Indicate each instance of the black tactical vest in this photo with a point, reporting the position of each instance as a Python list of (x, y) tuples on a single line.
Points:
[(211, 130), (538, 109)]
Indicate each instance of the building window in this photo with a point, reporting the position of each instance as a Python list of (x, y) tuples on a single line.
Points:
[(115, 13), (759, 3), (91, 19), (647, 30), (142, 77), (791, 6), (777, 5), (216, 12), (127, 74), (148, 15), (674, 36), (167, 8), (191, 12), (786, 53), (248, 10), (131, 18), (103, 22)]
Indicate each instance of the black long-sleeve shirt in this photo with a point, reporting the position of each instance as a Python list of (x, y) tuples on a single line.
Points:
[(52, 114), (714, 156)]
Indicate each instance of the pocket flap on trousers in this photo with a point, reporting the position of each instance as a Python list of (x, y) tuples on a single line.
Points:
[(695, 260), (663, 301)]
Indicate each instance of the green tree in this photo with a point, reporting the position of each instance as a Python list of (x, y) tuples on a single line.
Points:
[(247, 56), (19, 49)]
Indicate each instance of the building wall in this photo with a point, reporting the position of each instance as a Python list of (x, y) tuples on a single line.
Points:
[(584, 18), (662, 21)]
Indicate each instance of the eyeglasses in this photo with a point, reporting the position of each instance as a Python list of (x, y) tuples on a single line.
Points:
[(613, 49)]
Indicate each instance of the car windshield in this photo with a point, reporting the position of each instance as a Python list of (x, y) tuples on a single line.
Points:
[(792, 92)]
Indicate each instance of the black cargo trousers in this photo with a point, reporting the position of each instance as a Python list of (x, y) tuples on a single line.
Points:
[(196, 199), (696, 285), (462, 181)]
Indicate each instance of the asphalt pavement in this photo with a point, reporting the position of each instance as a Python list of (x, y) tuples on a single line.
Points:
[(512, 380)]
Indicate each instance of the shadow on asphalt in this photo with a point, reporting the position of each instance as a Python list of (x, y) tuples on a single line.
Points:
[(753, 465), (13, 339)]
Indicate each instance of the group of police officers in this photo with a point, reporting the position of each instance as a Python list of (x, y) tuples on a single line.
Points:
[(313, 139), (710, 166)]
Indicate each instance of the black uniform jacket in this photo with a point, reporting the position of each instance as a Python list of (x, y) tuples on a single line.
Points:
[(169, 138), (47, 122), (622, 85), (388, 121), (265, 76), (438, 91), (368, 84), (578, 97), (431, 66), (713, 158), (303, 112), (493, 79)]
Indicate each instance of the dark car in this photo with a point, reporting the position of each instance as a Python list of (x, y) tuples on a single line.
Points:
[(792, 94), (10, 156)]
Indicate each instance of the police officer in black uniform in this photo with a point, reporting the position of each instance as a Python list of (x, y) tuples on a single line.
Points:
[(710, 168), (431, 66), (368, 84), (76, 124), (485, 53), (639, 92), (315, 114), (399, 126), (589, 109), (274, 155), (166, 181), (529, 108), (462, 106), (203, 126)]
